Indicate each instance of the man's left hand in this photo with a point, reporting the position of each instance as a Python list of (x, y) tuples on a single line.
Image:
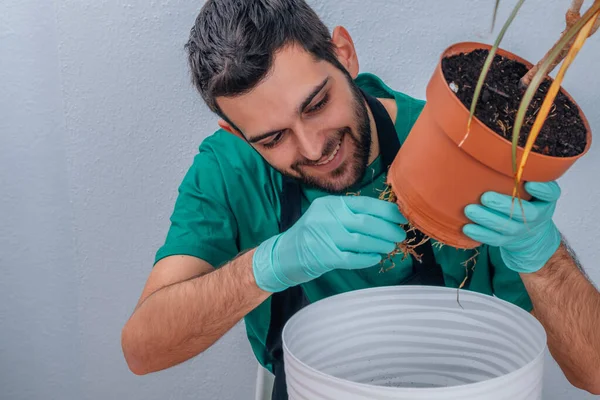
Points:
[(526, 240)]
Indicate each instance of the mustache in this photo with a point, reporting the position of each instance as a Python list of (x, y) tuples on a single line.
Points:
[(329, 147)]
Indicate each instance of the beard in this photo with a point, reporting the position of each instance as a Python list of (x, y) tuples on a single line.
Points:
[(356, 162)]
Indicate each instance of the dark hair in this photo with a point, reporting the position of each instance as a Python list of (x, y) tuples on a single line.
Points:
[(232, 43)]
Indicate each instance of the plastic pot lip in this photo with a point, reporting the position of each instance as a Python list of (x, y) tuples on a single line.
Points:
[(468, 46), (366, 386)]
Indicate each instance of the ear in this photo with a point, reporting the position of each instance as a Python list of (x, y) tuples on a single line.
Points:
[(345, 50), (226, 126)]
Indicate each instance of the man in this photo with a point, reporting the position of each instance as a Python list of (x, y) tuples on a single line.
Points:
[(264, 222)]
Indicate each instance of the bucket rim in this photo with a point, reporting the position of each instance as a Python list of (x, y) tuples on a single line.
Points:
[(410, 390)]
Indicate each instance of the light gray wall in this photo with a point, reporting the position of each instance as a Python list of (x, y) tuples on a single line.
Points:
[(98, 124)]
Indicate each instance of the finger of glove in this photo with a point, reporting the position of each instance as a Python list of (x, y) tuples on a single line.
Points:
[(374, 227), (357, 243), (484, 235), (544, 191), (375, 207), (353, 260), (493, 220), (519, 210)]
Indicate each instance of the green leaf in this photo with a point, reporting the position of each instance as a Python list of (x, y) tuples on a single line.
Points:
[(488, 61), (495, 14), (541, 74)]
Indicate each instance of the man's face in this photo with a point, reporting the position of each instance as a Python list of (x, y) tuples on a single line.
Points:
[(307, 119)]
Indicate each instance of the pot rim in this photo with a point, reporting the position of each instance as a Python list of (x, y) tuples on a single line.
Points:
[(471, 46)]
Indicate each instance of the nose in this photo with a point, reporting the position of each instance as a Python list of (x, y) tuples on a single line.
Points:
[(310, 143)]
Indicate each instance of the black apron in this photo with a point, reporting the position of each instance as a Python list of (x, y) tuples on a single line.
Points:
[(285, 303)]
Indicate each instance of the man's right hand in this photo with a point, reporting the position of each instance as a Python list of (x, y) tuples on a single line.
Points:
[(336, 232)]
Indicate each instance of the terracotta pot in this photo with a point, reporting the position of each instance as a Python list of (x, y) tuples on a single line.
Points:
[(434, 179)]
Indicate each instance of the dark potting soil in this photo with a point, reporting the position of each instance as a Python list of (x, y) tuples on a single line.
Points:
[(563, 133)]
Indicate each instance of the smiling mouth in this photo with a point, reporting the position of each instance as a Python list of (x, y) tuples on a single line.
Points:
[(332, 155)]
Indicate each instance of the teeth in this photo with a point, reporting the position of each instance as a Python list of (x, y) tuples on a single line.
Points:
[(332, 156)]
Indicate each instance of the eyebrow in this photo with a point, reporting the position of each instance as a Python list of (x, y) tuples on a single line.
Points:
[(317, 89)]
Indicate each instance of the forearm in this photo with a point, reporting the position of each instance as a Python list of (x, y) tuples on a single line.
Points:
[(568, 306), (182, 320)]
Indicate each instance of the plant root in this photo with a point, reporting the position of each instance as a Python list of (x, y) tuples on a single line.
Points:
[(409, 246), (438, 245), (472, 259), (388, 194), (406, 248)]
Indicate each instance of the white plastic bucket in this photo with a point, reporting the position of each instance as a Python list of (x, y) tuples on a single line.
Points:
[(413, 342)]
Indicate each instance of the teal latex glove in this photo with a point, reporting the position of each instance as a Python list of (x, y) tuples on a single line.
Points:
[(349, 232), (524, 246)]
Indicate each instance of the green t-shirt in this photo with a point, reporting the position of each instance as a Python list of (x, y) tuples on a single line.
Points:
[(229, 202)]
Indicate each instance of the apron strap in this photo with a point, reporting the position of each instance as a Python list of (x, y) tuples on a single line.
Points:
[(286, 303), (389, 144)]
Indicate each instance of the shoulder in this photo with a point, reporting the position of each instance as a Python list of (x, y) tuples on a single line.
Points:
[(408, 107), (232, 169), (226, 201), (231, 157), (229, 150), (375, 86)]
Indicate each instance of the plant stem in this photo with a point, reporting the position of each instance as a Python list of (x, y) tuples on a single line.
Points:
[(553, 91), (595, 27), (575, 8), (542, 74), (572, 16)]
